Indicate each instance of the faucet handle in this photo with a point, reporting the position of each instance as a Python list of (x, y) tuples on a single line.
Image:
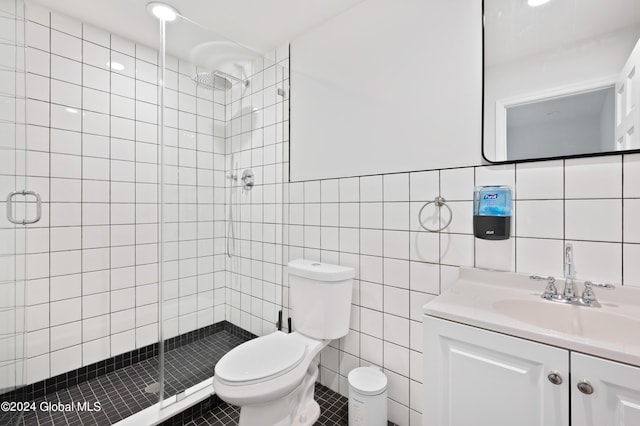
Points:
[(599, 285), (551, 289), (589, 297)]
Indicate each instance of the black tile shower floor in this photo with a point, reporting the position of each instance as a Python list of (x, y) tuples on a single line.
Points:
[(121, 393)]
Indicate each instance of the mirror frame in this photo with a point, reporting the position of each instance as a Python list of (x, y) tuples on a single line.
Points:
[(529, 160)]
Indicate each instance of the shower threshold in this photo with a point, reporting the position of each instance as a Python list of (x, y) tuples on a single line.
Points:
[(170, 407)]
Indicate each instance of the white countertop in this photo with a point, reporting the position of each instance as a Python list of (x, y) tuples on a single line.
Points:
[(510, 303)]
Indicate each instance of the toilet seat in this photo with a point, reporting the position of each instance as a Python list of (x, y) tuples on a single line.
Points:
[(277, 354)]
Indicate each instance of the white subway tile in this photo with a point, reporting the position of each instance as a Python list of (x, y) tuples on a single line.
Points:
[(424, 277), (539, 219), (66, 118), (96, 350), (457, 184), (95, 259), (499, 255), (593, 177), (594, 220), (65, 287), (370, 214), (95, 305), (38, 62), (457, 250), (631, 254), (66, 94), (424, 186), (96, 35), (65, 142), (66, 24), (37, 36), (631, 221), (66, 360), (123, 342), (396, 244), (371, 242), (122, 45), (396, 187), (66, 335), (598, 261), (396, 272), (540, 180), (371, 188), (396, 359), (631, 177), (65, 311), (95, 55), (66, 45), (424, 246)]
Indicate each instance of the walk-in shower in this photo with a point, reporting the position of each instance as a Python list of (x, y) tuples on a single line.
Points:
[(124, 288)]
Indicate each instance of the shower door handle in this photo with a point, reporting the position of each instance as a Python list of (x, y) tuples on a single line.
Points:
[(24, 221)]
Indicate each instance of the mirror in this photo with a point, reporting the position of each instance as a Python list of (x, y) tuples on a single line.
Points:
[(561, 78)]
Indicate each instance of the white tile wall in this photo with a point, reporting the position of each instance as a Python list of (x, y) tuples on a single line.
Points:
[(92, 154), (401, 266)]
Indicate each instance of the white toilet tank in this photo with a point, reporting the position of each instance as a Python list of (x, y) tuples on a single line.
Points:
[(320, 297)]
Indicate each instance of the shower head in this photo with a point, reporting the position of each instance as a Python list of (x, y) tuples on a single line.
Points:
[(218, 80)]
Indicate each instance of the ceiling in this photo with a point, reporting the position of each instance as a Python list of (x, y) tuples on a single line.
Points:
[(261, 25)]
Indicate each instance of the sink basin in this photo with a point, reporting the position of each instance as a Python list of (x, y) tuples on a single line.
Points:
[(590, 323), (510, 303)]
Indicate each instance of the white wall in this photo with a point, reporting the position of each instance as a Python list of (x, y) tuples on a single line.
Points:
[(387, 87)]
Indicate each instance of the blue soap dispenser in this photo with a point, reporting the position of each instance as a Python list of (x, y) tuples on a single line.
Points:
[(492, 212)]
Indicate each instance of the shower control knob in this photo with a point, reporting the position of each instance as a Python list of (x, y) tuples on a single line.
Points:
[(555, 378), (248, 179)]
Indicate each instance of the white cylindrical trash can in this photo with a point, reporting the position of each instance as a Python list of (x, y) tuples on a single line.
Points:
[(367, 397)]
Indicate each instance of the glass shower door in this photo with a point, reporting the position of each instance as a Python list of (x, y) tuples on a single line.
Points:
[(14, 200), (221, 245)]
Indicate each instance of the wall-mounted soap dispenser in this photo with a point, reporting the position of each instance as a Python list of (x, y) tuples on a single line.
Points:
[(492, 212)]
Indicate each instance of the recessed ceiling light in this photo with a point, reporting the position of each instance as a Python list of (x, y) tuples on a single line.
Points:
[(71, 110), (115, 66), (535, 3), (162, 11)]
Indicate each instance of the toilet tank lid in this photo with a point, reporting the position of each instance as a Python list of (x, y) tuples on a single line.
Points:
[(319, 271)]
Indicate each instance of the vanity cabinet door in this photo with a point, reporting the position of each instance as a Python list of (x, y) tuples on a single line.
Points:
[(477, 377), (615, 392)]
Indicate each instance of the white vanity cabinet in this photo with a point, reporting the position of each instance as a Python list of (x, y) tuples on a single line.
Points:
[(477, 377), (615, 397)]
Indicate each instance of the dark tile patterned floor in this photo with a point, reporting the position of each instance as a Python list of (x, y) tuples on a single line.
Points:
[(334, 411), (121, 393)]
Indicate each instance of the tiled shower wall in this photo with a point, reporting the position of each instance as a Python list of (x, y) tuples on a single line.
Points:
[(371, 223), (12, 237), (92, 289), (258, 139)]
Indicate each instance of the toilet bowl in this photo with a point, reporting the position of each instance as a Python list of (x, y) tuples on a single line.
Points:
[(272, 378)]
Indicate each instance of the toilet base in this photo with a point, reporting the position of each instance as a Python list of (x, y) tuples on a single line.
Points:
[(298, 408), (308, 416)]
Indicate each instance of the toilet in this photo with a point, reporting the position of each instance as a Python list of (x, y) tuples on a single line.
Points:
[(272, 378)]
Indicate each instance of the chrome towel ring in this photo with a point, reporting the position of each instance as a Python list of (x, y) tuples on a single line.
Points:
[(439, 201)]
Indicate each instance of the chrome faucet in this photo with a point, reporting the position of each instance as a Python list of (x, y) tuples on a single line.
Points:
[(568, 295), (569, 273)]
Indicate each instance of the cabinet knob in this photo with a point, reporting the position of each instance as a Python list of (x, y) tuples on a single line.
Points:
[(555, 378), (585, 387)]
